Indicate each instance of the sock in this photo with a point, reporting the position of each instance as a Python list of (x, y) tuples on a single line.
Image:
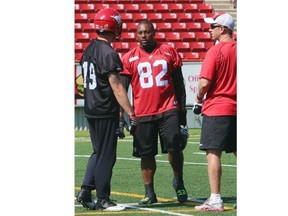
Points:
[(149, 190), (177, 180), (215, 197)]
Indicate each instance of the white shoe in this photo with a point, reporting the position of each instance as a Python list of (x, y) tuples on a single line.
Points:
[(210, 205), (115, 208)]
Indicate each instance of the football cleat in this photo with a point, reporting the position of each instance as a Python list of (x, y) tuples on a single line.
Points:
[(148, 200), (85, 199), (211, 206)]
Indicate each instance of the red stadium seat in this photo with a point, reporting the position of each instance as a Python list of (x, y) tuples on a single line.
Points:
[(178, 27), (171, 44), (155, 17), (198, 17), (205, 26), (184, 17), (169, 17), (93, 35), (119, 7), (164, 27), (203, 36), (132, 8), (87, 8), (188, 36), (77, 8), (100, 6), (191, 56), (146, 8), (182, 46), (131, 45), (201, 55), (120, 46), (190, 7), (208, 44), (174, 8), (139, 16), (161, 8), (193, 26), (88, 27), (131, 27), (198, 46), (173, 36), (77, 27), (205, 8), (127, 17), (128, 36), (81, 17), (82, 37), (160, 36), (78, 47), (78, 56)]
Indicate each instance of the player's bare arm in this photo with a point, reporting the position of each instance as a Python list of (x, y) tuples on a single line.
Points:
[(120, 92)]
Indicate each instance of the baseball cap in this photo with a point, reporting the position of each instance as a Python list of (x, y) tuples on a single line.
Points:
[(222, 18)]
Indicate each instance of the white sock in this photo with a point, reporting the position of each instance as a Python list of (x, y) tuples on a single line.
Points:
[(215, 197)]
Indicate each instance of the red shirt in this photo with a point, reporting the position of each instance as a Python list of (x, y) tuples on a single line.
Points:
[(220, 66), (151, 81)]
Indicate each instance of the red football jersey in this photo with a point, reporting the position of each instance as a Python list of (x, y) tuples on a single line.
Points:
[(151, 78)]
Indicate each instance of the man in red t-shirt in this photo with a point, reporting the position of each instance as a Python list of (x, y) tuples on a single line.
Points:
[(217, 91), (159, 99)]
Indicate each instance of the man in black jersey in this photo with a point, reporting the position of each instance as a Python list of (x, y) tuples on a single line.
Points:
[(103, 93)]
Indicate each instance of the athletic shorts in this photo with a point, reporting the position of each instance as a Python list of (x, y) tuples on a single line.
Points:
[(145, 142), (219, 133)]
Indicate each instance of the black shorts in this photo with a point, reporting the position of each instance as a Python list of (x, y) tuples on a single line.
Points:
[(145, 143), (219, 133)]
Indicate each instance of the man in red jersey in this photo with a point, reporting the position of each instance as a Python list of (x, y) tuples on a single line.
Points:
[(159, 98), (217, 91)]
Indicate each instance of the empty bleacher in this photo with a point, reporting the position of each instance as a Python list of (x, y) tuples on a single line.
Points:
[(177, 22)]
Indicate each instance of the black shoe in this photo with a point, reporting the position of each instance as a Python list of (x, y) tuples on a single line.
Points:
[(84, 197), (148, 200), (108, 205), (181, 192)]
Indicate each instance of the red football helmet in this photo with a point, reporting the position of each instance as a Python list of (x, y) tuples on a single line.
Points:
[(108, 19)]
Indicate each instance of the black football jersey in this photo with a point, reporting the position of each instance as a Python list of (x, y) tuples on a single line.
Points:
[(98, 60)]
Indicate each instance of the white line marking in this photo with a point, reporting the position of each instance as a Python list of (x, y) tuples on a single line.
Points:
[(160, 161)]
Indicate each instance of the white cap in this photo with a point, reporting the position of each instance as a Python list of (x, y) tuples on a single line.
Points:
[(223, 19)]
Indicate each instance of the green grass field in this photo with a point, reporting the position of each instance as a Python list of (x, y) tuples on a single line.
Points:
[(128, 189)]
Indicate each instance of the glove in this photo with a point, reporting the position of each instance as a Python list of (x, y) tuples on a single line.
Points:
[(184, 135), (133, 124), (120, 130), (197, 108)]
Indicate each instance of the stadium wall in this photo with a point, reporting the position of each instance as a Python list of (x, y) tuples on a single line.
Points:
[(190, 71)]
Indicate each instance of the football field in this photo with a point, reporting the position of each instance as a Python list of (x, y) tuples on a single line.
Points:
[(128, 189)]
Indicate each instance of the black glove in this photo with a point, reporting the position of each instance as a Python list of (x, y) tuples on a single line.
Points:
[(184, 135), (197, 108), (133, 124), (120, 130)]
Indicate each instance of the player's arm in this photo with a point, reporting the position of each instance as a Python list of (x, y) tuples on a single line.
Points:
[(178, 81), (203, 87), (120, 93)]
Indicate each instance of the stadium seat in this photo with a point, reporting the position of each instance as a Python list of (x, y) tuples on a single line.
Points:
[(90, 17), (139, 17), (127, 17), (208, 44), (169, 17), (146, 7), (160, 36), (164, 26), (78, 47), (173, 36), (131, 27), (119, 7), (78, 56), (120, 46), (182, 46), (81, 17), (93, 35), (198, 17), (184, 17), (174, 8), (193, 26), (132, 8), (198, 46), (87, 8), (100, 6), (155, 17), (77, 8), (190, 7), (171, 44), (191, 56), (178, 27), (161, 8), (131, 45), (128, 36), (82, 37), (188, 36), (88, 27), (203, 36), (205, 26), (201, 55), (77, 27), (205, 8)]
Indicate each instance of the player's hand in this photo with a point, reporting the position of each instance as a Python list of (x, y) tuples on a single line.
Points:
[(120, 130), (133, 124), (197, 108)]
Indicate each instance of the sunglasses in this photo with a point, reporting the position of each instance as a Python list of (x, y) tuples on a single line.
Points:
[(214, 26)]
